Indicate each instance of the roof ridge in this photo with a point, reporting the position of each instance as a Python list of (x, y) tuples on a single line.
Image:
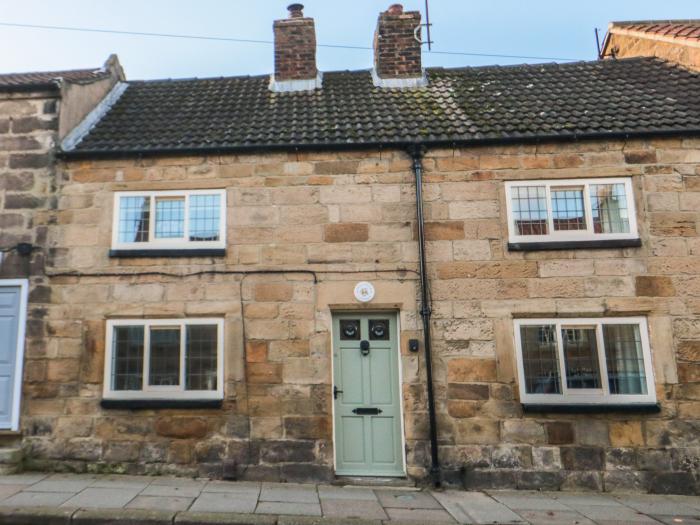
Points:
[(688, 21), (54, 72)]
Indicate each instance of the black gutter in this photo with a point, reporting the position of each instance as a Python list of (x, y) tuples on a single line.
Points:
[(400, 144), (417, 152)]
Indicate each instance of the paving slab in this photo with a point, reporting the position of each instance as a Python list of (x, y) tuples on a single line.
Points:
[(657, 505), (526, 500), (9, 490), (171, 490), (122, 516), (291, 508), (692, 501), (225, 502), (585, 499), (348, 493), (407, 500), (211, 518), (346, 508), (420, 515), (61, 484), (475, 507), (123, 482), (241, 487), (38, 499), (102, 498), (675, 520), (622, 514), (22, 479), (289, 493), (554, 517), (27, 515), (173, 503)]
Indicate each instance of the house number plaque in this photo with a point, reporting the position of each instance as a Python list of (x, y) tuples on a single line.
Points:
[(364, 292)]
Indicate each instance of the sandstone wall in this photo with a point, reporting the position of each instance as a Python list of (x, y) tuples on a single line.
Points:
[(630, 45), (350, 217)]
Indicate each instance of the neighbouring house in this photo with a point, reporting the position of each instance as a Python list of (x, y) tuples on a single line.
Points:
[(36, 111), (486, 276), (674, 40)]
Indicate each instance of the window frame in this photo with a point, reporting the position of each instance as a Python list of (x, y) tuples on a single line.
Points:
[(182, 243), (600, 396), (571, 235), (149, 392)]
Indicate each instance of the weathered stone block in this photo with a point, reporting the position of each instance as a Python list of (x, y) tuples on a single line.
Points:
[(654, 286), (466, 370), (559, 433), (583, 458), (523, 431), (181, 427), (467, 391), (346, 232)]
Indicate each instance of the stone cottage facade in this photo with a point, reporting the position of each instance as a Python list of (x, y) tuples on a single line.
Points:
[(36, 111), (242, 275)]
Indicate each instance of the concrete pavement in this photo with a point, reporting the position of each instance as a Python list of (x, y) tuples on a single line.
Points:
[(34, 498)]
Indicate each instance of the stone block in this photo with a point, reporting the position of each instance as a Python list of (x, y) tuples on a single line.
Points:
[(523, 431), (460, 409), (265, 373), (538, 480), (559, 433), (273, 291), (443, 230), (640, 156), (654, 286), (346, 232), (467, 370), (626, 434), (473, 431), (464, 391), (318, 427), (583, 458), (181, 427)]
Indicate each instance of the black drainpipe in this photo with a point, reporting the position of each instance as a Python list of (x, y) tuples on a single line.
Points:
[(416, 153)]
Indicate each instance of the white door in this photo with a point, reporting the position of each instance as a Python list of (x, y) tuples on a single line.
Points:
[(13, 307)]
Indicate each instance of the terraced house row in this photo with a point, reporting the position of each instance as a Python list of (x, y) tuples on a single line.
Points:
[(484, 276)]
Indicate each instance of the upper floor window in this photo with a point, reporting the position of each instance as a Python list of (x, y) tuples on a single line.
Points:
[(167, 220), (164, 359), (584, 361), (570, 210)]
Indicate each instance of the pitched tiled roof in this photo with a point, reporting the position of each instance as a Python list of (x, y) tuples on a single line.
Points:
[(47, 79), (688, 30), (494, 104)]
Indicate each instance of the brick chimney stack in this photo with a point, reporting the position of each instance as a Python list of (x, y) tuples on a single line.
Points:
[(397, 49), (295, 53)]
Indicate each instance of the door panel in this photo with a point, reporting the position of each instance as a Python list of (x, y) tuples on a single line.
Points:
[(9, 328), (367, 444)]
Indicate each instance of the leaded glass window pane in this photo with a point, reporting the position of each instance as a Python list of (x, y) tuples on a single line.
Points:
[(201, 357), (568, 209), (625, 359), (170, 218), (134, 217), (581, 357), (540, 361), (529, 205), (165, 357), (609, 208), (204, 217), (127, 358)]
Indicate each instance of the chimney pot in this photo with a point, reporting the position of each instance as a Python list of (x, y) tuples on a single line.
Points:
[(395, 9), (296, 10)]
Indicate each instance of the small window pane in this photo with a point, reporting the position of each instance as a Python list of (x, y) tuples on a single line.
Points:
[(379, 329), (127, 358), (204, 217), (170, 218), (200, 370), (349, 330), (567, 209), (529, 205), (625, 359), (134, 217), (540, 360), (609, 208), (165, 357), (581, 357)]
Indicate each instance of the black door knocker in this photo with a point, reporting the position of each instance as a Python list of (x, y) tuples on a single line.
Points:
[(364, 347)]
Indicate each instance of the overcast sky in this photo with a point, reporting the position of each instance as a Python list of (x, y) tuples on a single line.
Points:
[(542, 28)]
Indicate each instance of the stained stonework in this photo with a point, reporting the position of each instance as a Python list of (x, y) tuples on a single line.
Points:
[(350, 217)]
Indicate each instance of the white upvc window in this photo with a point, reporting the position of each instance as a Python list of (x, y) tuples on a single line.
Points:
[(164, 359), (169, 220), (598, 361), (571, 210)]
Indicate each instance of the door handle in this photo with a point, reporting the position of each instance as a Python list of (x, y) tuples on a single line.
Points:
[(336, 392), (367, 411)]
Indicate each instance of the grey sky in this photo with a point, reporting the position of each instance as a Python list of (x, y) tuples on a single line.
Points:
[(546, 28)]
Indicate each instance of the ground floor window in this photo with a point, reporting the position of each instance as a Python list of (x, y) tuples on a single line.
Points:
[(164, 359), (584, 361)]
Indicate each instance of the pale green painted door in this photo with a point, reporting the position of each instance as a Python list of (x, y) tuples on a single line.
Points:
[(368, 440)]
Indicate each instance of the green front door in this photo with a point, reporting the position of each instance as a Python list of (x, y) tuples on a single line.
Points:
[(368, 439)]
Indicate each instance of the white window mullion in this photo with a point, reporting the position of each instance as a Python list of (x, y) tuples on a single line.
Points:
[(183, 349), (152, 219), (550, 213), (602, 360), (562, 361), (588, 209), (146, 355)]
